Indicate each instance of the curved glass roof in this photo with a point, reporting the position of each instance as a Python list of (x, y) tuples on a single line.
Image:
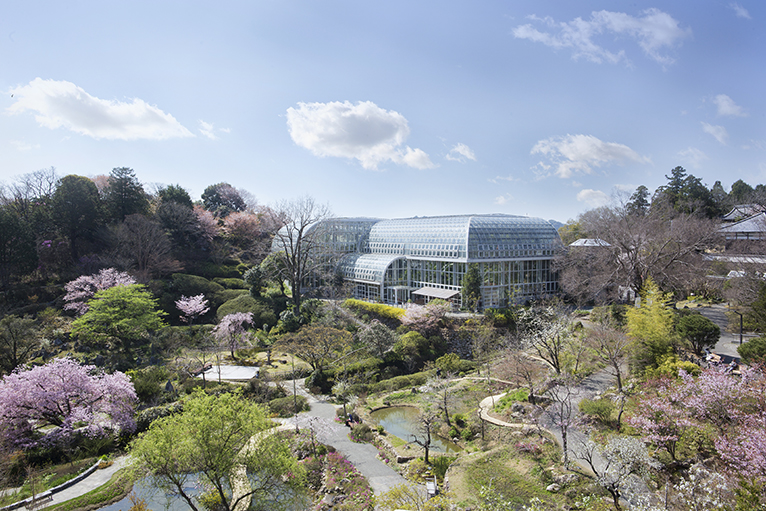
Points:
[(366, 267), (465, 237)]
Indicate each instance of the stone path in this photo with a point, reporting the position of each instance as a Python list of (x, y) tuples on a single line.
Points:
[(321, 419)]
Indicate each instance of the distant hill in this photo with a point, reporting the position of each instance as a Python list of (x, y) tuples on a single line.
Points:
[(555, 224)]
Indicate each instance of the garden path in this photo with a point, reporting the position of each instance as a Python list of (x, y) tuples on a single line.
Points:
[(321, 419)]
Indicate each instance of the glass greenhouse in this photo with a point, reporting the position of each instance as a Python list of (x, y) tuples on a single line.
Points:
[(417, 259)]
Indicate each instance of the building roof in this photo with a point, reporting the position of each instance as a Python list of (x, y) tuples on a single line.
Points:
[(590, 242), (742, 211), (465, 237), (366, 267), (433, 292), (753, 224)]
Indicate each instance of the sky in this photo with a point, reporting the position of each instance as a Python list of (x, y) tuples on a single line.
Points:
[(389, 109)]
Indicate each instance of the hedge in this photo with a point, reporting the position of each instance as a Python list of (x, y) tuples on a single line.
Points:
[(382, 310)]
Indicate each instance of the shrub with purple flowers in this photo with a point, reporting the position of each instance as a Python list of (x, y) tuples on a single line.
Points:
[(342, 478)]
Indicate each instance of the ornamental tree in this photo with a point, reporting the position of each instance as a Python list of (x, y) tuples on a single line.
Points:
[(192, 307), (65, 394), (232, 330), (651, 326), (699, 331), (127, 313), (223, 440), (82, 289), (425, 319)]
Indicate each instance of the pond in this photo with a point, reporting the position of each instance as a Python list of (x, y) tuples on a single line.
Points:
[(402, 422), (158, 500)]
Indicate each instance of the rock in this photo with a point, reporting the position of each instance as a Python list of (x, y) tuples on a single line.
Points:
[(553, 488), (99, 361), (518, 407), (564, 479)]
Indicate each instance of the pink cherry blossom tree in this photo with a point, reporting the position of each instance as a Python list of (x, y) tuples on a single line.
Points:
[(82, 289), (232, 331), (425, 319), (67, 395), (192, 307)]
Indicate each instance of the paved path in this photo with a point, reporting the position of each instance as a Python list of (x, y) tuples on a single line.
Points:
[(93, 481), (729, 341), (321, 419)]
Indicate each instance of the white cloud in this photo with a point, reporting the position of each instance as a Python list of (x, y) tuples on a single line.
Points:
[(581, 153), (208, 130), (24, 146), (654, 32), (693, 156), (58, 104), (727, 107), (363, 131), (740, 11), (501, 178), (461, 153), (719, 132), (503, 199), (594, 198)]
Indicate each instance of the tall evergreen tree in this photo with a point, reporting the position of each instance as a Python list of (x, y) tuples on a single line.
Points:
[(77, 209), (124, 194)]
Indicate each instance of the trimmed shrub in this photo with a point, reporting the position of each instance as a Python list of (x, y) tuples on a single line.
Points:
[(285, 406), (262, 313), (384, 311), (192, 285), (753, 351), (400, 382), (231, 283)]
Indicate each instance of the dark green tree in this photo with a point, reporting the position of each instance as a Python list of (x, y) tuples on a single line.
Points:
[(741, 192), (472, 287), (124, 195), (176, 194), (77, 210), (699, 331), (639, 201), (223, 199), (675, 185), (254, 278), (18, 254), (720, 197), (18, 340)]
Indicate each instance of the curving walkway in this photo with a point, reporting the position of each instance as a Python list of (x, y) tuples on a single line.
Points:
[(321, 419)]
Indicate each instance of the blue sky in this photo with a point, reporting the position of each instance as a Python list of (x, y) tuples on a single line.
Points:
[(389, 109)]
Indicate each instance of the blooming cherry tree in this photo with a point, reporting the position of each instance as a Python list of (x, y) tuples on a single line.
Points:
[(67, 395), (82, 289), (231, 331), (192, 307)]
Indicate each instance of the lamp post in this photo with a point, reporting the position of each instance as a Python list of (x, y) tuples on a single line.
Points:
[(740, 326)]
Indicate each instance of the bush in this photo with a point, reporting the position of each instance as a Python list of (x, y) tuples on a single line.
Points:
[(193, 285), (670, 367), (262, 313), (753, 351), (149, 383), (384, 311), (400, 382), (601, 409), (228, 294), (231, 283), (440, 466), (361, 433), (285, 406)]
